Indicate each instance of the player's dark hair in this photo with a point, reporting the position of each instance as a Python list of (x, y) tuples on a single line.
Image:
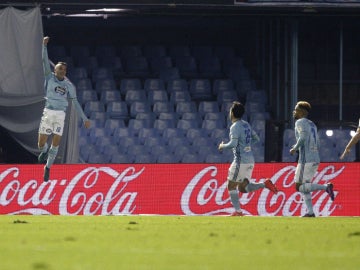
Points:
[(304, 105), (237, 109)]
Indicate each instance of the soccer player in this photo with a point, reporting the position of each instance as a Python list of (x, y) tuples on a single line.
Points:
[(241, 139), (352, 142), (57, 90), (307, 144)]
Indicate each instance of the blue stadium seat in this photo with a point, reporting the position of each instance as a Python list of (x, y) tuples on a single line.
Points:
[(191, 158), (145, 133), (79, 52), (194, 116), (193, 133), (177, 85), (258, 96), (98, 116), (139, 107), (135, 125), (170, 133), (84, 84), (112, 124), (186, 106), (208, 107), (90, 63), (227, 96), (144, 159), (163, 107), (137, 67), (187, 124), (162, 124), (187, 66), (168, 158), (130, 84), (157, 96), (169, 115), (93, 106), (122, 158), (101, 73), (84, 96), (135, 95), (154, 84), (179, 96), (117, 109), (96, 132), (288, 141), (200, 89), (105, 50), (169, 74), (159, 63), (154, 51), (210, 68), (107, 96), (112, 62), (149, 116), (210, 125), (222, 85), (122, 132), (125, 141), (86, 151), (77, 74), (105, 84)]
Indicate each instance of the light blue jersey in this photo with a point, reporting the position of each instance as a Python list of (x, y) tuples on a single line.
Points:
[(242, 137), (307, 141), (58, 91)]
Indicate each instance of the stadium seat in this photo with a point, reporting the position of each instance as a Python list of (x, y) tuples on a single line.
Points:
[(184, 107), (158, 64), (168, 158), (112, 124), (101, 73), (177, 85), (84, 84), (154, 84), (194, 116), (191, 158), (145, 133), (169, 115), (107, 96), (122, 158), (210, 68), (163, 107), (200, 89), (135, 95), (258, 96), (137, 67), (135, 125), (117, 109), (96, 132), (130, 84), (79, 52), (77, 74), (139, 107), (170, 133), (154, 51), (169, 74), (202, 52), (222, 85), (193, 133), (179, 96), (227, 96), (210, 125), (105, 50), (187, 66), (288, 141), (162, 124), (187, 124), (84, 96), (208, 107), (157, 96), (105, 84), (93, 106), (144, 159)]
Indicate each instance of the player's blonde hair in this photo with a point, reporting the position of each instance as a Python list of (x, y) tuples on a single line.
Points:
[(304, 105)]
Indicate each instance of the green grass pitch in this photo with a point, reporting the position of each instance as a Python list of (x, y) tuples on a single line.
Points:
[(178, 242)]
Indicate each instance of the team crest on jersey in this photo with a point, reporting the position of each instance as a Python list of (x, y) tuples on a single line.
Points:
[(60, 90)]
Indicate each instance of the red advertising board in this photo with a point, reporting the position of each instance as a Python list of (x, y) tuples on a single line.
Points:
[(169, 189)]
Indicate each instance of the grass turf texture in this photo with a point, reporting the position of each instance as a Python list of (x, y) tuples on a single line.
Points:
[(178, 242)]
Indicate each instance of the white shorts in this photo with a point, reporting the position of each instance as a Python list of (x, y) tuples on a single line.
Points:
[(305, 172), (238, 172), (52, 122)]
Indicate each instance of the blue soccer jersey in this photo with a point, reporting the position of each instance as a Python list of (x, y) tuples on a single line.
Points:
[(58, 91), (242, 136), (307, 141)]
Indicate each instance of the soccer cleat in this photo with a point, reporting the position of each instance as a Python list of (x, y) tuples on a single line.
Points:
[(269, 185), (42, 158), (236, 214), (46, 173), (309, 215), (330, 191)]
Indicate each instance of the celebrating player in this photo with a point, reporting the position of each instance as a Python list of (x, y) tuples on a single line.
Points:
[(307, 143), (352, 142), (57, 90), (241, 139)]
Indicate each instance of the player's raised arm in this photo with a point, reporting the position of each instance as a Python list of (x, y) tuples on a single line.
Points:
[(45, 57)]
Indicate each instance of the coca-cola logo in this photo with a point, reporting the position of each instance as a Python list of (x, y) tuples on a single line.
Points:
[(77, 197), (205, 189)]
